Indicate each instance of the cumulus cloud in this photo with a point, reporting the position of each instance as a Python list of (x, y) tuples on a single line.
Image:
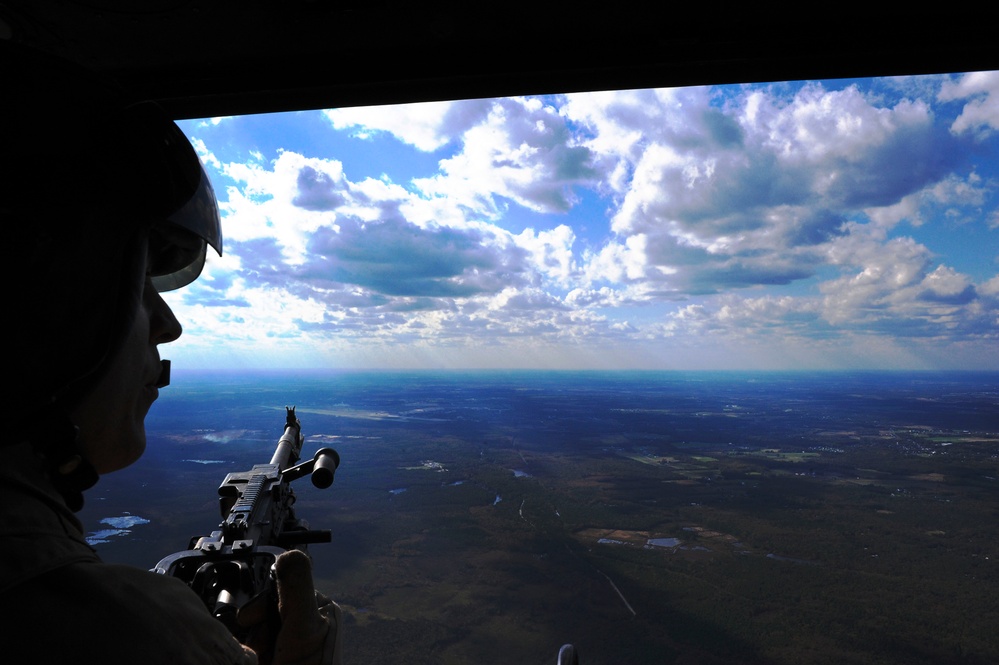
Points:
[(738, 194), (427, 126), (317, 190), (900, 292), (789, 213), (394, 257), (551, 252), (981, 110), (522, 150)]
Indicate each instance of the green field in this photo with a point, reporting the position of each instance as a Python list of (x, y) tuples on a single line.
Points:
[(859, 555)]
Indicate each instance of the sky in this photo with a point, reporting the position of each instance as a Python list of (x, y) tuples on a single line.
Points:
[(837, 224)]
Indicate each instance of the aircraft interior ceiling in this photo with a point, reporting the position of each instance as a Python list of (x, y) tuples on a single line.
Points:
[(200, 58)]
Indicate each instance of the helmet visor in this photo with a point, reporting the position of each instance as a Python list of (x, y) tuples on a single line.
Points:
[(177, 246)]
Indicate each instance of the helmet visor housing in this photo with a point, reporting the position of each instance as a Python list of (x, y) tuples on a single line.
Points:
[(178, 245), (190, 219)]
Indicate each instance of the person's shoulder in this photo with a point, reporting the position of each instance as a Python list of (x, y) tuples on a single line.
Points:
[(111, 613)]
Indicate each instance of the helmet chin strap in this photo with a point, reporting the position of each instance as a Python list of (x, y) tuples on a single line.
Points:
[(69, 470), (164, 379)]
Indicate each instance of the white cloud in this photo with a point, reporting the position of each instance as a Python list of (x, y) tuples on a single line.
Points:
[(521, 150), (617, 261), (739, 216), (981, 112), (427, 126), (551, 252), (991, 290), (737, 193)]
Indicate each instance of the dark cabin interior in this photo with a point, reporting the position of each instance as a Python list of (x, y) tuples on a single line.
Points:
[(203, 59)]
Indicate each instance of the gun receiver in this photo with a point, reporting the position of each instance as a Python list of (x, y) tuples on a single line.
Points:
[(233, 564)]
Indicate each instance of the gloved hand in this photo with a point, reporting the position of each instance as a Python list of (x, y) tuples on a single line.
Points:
[(309, 622)]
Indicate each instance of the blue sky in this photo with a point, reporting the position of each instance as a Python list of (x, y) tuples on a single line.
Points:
[(797, 225)]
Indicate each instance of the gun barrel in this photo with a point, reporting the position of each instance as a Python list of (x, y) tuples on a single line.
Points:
[(290, 444), (259, 524)]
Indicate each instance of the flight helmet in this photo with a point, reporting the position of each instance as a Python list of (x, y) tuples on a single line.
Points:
[(98, 191)]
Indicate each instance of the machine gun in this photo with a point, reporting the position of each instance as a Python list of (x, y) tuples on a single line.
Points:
[(233, 564)]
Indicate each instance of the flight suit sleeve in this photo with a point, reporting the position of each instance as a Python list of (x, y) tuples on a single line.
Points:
[(114, 614)]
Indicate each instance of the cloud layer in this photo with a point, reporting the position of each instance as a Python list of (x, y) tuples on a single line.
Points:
[(786, 225)]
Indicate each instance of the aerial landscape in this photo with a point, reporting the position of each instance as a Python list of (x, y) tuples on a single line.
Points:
[(646, 517), (611, 258), (677, 367)]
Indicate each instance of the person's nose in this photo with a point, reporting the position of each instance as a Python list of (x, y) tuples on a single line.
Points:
[(163, 325)]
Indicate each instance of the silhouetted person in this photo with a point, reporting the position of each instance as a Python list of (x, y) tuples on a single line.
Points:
[(103, 204)]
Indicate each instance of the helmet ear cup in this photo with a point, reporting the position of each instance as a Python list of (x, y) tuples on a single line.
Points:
[(92, 310)]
